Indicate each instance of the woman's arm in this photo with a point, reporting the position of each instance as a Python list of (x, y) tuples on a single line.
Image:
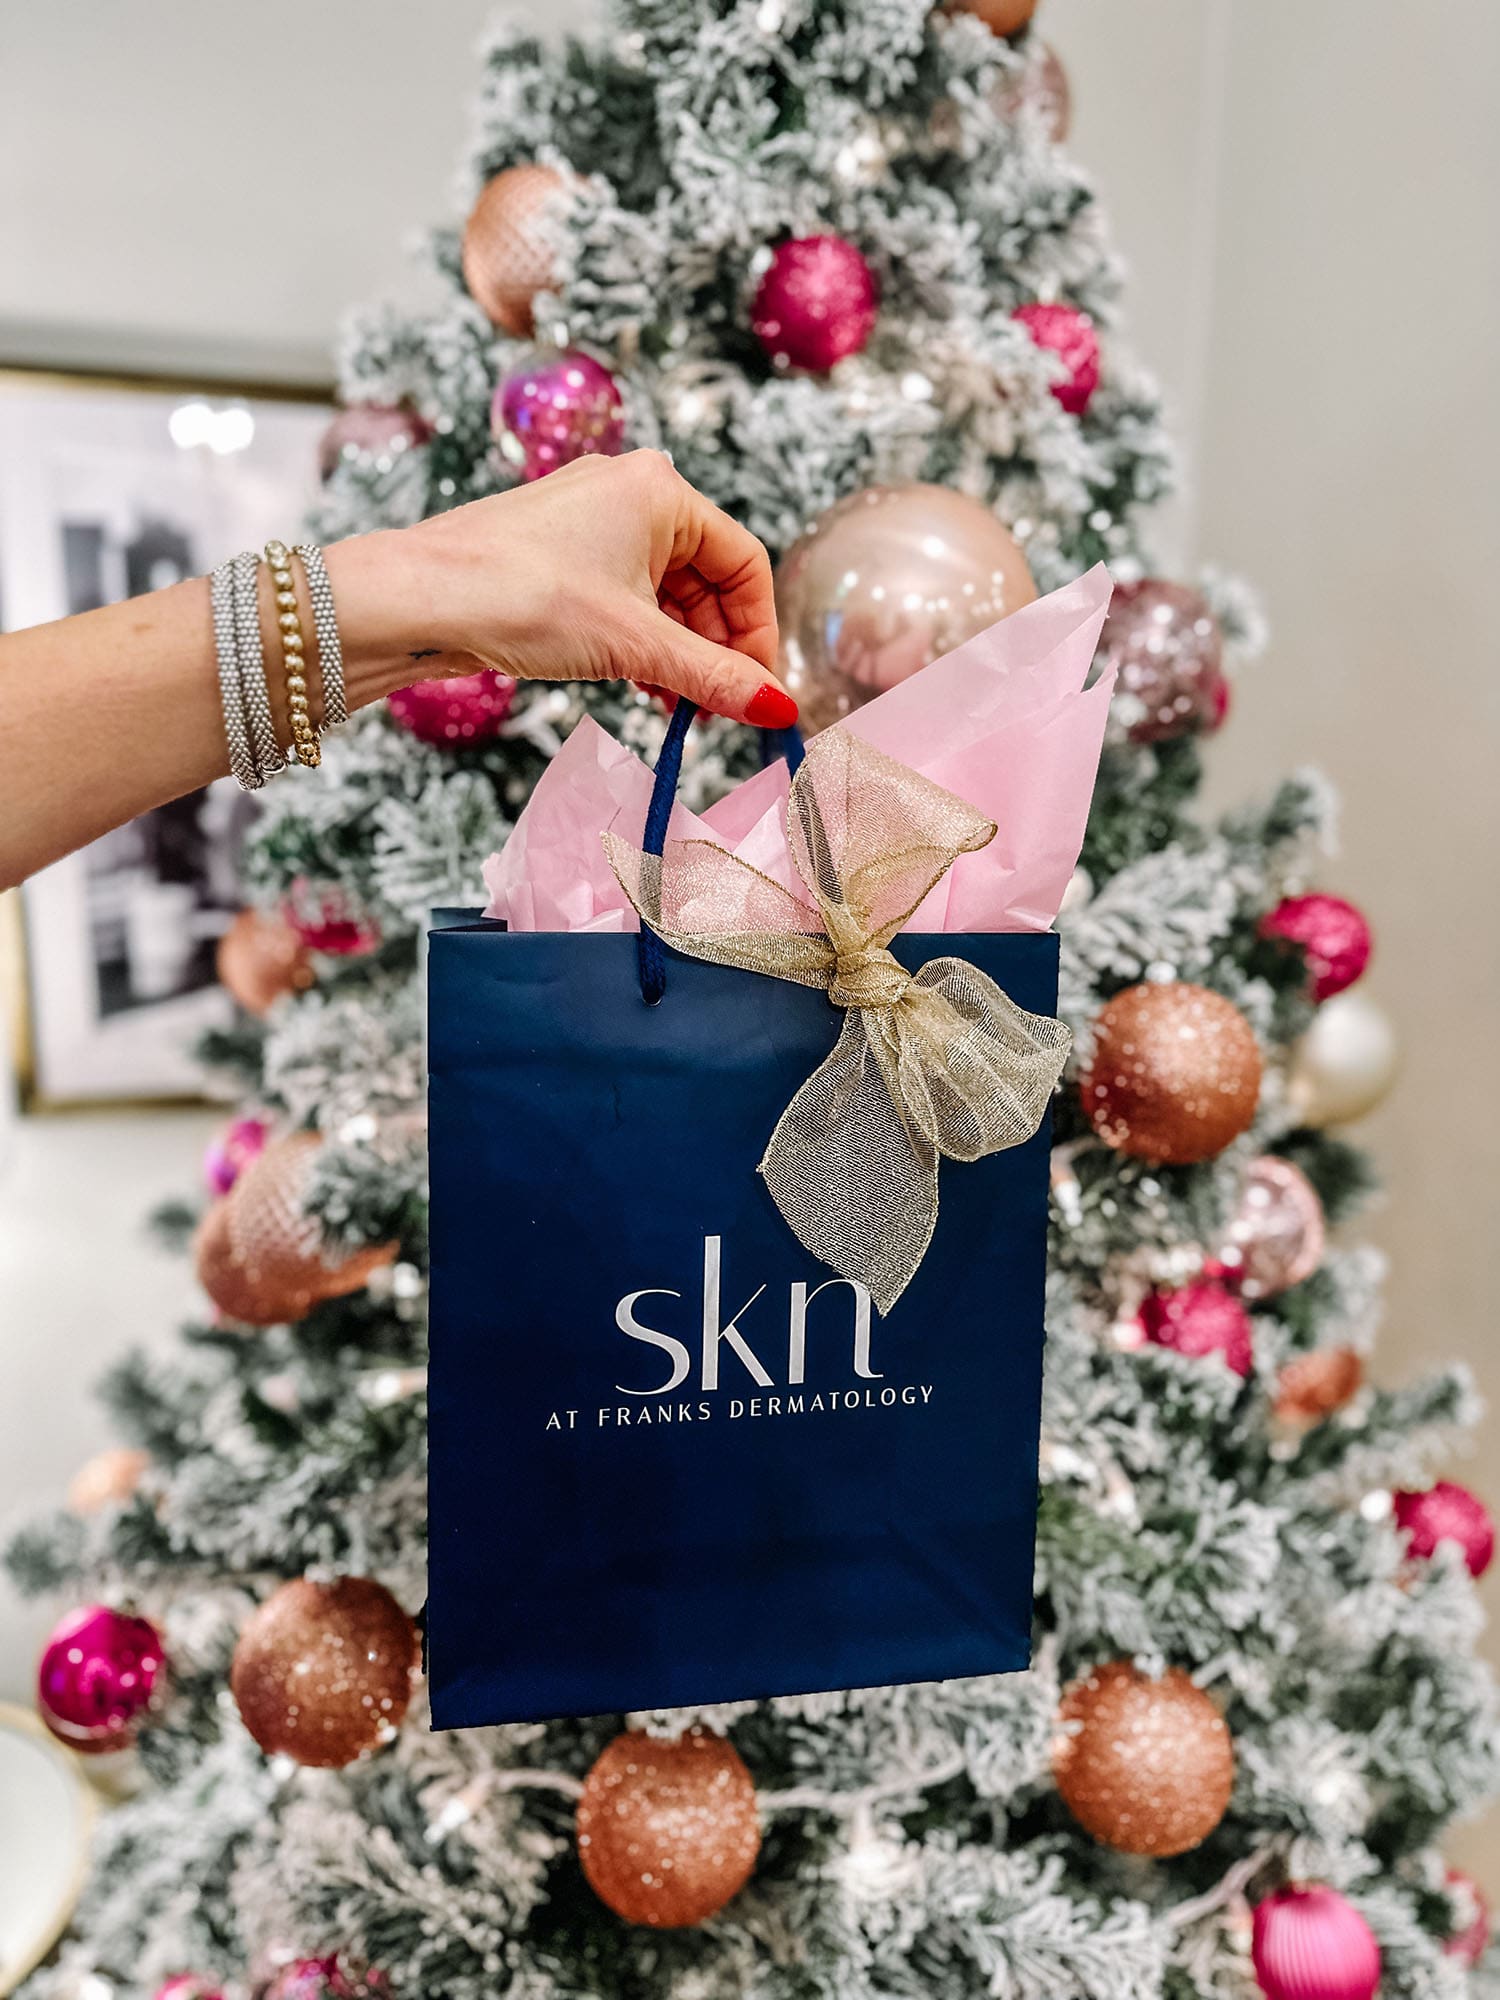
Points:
[(610, 569)]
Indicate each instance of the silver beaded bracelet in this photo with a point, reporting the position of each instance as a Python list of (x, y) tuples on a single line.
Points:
[(236, 732), (325, 627), (249, 730)]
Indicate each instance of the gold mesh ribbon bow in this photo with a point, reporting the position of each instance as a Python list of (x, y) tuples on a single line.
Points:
[(934, 1062)]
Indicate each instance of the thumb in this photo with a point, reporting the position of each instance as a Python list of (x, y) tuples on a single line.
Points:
[(715, 677)]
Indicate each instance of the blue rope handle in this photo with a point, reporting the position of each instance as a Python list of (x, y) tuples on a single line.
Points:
[(651, 954)]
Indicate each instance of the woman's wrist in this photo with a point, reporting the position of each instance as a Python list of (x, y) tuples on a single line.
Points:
[(388, 623)]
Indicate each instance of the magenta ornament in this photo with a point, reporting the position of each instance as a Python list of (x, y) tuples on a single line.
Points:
[(461, 709), (1164, 644), (816, 303), (1202, 1318), (369, 430), (322, 1979), (1277, 1235), (96, 1678), (1069, 334), (557, 405), (1333, 933), (231, 1152), (326, 919), (1310, 1943), (189, 1986), (1447, 1512)]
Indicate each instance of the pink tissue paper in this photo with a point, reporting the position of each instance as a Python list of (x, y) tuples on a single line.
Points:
[(1004, 720)]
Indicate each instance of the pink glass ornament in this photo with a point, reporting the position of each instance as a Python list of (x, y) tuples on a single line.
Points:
[(1163, 642), (97, 1675), (816, 303), (189, 1986), (1201, 1318), (236, 1146), (1471, 1943), (369, 430), (1310, 1943), (1276, 1238), (1333, 934), (556, 406), (325, 919), (463, 708), (1070, 335), (1447, 1512)]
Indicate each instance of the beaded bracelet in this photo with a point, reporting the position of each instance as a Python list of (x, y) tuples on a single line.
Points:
[(305, 746), (249, 730), (268, 757), (236, 731), (325, 625)]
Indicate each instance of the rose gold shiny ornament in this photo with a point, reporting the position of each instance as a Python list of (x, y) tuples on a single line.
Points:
[(507, 258), (1277, 1236), (1174, 1075), (1001, 17), (668, 1832), (259, 958), (323, 1672), (888, 580), (1145, 1766), (1312, 1386), (108, 1479)]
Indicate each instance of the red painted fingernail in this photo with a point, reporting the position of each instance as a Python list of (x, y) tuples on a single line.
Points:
[(771, 707)]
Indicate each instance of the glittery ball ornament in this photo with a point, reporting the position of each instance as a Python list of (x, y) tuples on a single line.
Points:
[(1168, 654), (1447, 1512), (1040, 91), (1312, 1386), (326, 918), (1204, 1317), (1310, 1943), (668, 1832), (885, 582), (459, 710), (507, 255), (1145, 1766), (1333, 934), (260, 957), (97, 1676), (815, 304), (1069, 334), (1470, 1943), (369, 430), (108, 1479), (554, 406), (240, 1142), (322, 1979), (1345, 1063), (323, 1672), (189, 1986), (1174, 1075), (261, 1258), (1277, 1235), (1001, 17)]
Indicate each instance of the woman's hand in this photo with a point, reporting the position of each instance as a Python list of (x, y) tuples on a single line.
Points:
[(609, 569)]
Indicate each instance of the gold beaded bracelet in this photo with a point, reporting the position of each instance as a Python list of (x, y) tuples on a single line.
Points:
[(305, 745)]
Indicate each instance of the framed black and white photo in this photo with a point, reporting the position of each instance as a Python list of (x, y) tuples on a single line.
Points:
[(109, 489)]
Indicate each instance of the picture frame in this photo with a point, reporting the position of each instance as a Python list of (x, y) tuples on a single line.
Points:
[(110, 486)]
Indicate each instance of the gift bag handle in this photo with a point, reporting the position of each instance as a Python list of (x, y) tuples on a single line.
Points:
[(651, 955)]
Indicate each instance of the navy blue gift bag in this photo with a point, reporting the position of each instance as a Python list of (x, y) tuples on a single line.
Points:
[(675, 1459)]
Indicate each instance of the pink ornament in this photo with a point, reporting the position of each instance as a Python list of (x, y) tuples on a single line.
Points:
[(558, 405), (1332, 933), (1163, 642), (1201, 1318), (325, 919), (369, 430), (1277, 1235), (97, 1675), (464, 708), (816, 303), (189, 1986), (1471, 1943), (321, 1979), (1070, 335), (228, 1155), (1310, 1943), (1447, 1512)]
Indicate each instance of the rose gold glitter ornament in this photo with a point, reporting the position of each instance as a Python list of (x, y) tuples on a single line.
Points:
[(1276, 1238), (668, 1832), (1001, 17), (1312, 1386), (323, 1672), (108, 1479), (1145, 1766), (261, 1259), (260, 957), (507, 259), (1175, 1073), (885, 582)]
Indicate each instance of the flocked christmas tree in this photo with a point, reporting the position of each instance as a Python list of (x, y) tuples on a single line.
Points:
[(807, 248)]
